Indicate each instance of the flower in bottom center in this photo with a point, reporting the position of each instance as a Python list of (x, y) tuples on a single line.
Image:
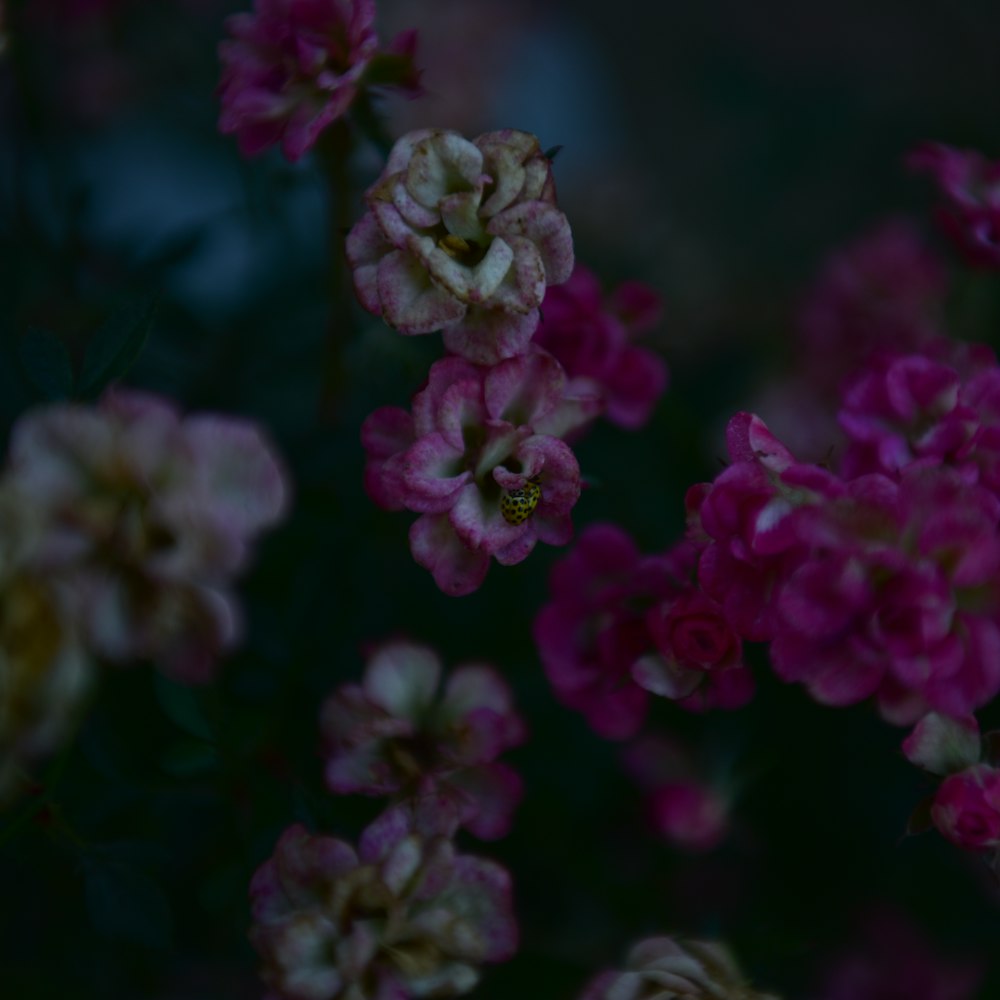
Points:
[(475, 437)]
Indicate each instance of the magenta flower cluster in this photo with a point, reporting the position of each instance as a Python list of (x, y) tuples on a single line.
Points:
[(621, 626), (293, 67), (878, 583), (395, 735)]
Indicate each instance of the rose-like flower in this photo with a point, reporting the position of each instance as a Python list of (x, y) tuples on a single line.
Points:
[(481, 459), (966, 808), (293, 67), (970, 186), (591, 338), (403, 916), (395, 734), (148, 517), (693, 639), (661, 968), (605, 636), (462, 237)]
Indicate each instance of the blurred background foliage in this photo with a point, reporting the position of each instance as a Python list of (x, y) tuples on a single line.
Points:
[(716, 151)]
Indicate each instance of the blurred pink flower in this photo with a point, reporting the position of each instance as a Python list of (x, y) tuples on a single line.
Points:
[(894, 961), (966, 808), (970, 187), (403, 916), (149, 517), (462, 237), (884, 291), (475, 438), (293, 67), (591, 337), (396, 734), (690, 813)]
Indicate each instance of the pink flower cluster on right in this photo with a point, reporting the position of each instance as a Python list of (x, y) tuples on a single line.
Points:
[(880, 580)]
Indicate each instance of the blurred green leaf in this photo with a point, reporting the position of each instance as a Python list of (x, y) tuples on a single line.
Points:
[(188, 757), (125, 904), (116, 346), (180, 704), (46, 363)]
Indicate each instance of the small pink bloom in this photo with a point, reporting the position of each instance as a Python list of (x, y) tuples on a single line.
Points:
[(477, 437), (690, 815), (396, 734), (591, 337), (966, 808), (970, 187), (148, 517), (293, 67), (402, 916), (462, 237), (610, 609)]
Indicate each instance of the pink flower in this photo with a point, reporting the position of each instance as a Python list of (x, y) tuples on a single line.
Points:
[(970, 186), (694, 643), (593, 628), (610, 609), (661, 968), (481, 459), (295, 66), (906, 409), (687, 811), (149, 518), (462, 237), (395, 734), (403, 916), (590, 337), (690, 815), (966, 808)]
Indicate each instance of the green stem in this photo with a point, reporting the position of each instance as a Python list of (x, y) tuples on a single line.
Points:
[(335, 149)]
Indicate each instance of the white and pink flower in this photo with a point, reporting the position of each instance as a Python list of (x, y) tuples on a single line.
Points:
[(464, 237), (147, 517), (402, 916), (474, 436)]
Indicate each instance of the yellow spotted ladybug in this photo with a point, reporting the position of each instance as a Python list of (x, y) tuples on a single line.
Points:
[(518, 505)]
